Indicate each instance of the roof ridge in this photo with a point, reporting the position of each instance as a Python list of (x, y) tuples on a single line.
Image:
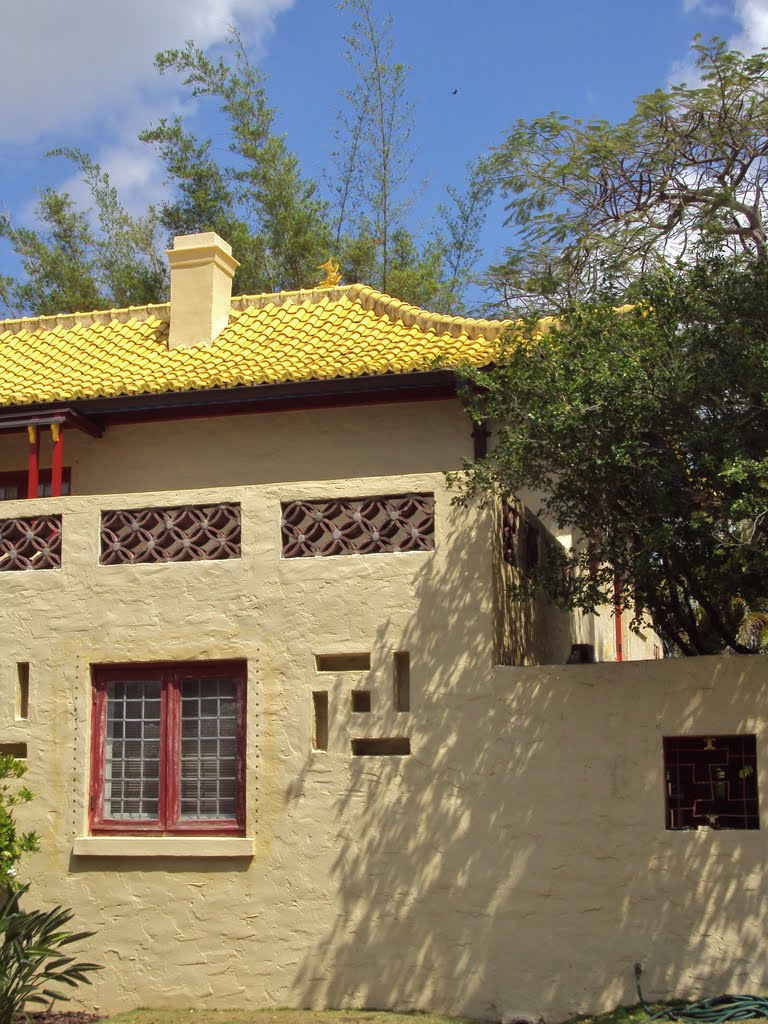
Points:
[(160, 310), (369, 298), (381, 304)]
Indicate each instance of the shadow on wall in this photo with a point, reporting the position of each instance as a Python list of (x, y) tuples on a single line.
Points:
[(517, 862), (526, 632)]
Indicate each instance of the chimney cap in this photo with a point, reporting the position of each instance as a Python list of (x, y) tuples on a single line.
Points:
[(200, 240)]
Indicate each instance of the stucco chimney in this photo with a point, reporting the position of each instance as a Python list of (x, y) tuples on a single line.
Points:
[(202, 267)]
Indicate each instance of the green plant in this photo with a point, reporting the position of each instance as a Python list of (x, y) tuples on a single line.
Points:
[(32, 965), (13, 844)]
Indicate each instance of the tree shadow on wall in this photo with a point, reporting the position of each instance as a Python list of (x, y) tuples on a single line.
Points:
[(517, 861)]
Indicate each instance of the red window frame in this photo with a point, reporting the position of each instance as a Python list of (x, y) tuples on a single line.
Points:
[(19, 479), (171, 676)]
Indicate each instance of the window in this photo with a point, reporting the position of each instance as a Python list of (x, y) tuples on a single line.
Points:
[(168, 749), (14, 484), (711, 781)]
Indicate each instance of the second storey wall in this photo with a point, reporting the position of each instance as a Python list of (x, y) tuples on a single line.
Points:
[(320, 444)]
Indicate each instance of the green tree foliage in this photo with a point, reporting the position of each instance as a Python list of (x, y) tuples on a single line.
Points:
[(279, 226), (260, 203), (372, 191), (595, 205), (57, 259), (647, 430), (71, 265), (374, 137)]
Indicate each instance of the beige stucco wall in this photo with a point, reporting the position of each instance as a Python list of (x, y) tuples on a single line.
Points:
[(222, 451), (517, 861)]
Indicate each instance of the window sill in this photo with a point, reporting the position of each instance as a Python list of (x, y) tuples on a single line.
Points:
[(163, 846)]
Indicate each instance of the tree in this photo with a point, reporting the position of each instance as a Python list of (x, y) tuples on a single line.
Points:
[(271, 215), (647, 430), (72, 264), (58, 261), (374, 139), (597, 204)]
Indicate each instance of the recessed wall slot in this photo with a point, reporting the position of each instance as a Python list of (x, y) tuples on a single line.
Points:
[(22, 690), (384, 746), (343, 662), (401, 672), (320, 728), (18, 750), (361, 700)]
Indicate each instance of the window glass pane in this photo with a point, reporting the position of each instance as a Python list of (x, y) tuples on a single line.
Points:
[(8, 492), (208, 748), (132, 750)]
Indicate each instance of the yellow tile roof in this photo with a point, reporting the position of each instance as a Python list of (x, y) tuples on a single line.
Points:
[(347, 331)]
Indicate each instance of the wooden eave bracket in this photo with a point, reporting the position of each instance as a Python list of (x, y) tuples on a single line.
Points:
[(15, 421)]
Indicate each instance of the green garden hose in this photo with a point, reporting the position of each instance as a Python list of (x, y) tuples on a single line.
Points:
[(707, 1011)]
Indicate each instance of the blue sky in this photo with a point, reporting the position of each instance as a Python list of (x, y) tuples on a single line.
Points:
[(81, 74)]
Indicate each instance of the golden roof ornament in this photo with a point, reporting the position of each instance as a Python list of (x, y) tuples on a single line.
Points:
[(332, 273)]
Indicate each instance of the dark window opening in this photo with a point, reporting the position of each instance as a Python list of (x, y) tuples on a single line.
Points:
[(711, 782), (14, 484)]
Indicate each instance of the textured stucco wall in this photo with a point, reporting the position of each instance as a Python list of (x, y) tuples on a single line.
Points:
[(326, 444), (516, 862)]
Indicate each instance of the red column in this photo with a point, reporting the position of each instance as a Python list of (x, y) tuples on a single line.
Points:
[(57, 433), (34, 461)]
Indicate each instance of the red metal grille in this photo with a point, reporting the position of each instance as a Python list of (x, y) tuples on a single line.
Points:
[(191, 533), (33, 543), (358, 526), (711, 781)]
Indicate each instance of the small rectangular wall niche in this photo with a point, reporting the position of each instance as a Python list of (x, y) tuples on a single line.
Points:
[(22, 690), (343, 662), (361, 701), (383, 746), (17, 750), (401, 671), (320, 724)]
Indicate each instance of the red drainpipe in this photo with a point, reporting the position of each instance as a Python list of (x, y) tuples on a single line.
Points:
[(617, 616)]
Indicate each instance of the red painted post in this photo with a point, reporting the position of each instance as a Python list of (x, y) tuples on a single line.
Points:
[(617, 617), (34, 461), (57, 433)]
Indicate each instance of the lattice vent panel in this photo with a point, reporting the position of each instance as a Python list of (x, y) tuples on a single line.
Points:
[(190, 533), (359, 526), (33, 543)]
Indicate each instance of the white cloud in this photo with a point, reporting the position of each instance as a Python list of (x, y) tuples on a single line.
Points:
[(71, 63), (752, 16)]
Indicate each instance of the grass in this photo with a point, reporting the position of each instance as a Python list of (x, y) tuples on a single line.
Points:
[(280, 1017), (621, 1015), (625, 1014)]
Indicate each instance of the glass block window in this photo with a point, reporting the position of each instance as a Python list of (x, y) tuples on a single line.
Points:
[(190, 533), (132, 750), (30, 543), (168, 749), (208, 749), (358, 526), (711, 781)]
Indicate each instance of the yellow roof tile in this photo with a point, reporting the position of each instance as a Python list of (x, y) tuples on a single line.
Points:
[(346, 331)]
